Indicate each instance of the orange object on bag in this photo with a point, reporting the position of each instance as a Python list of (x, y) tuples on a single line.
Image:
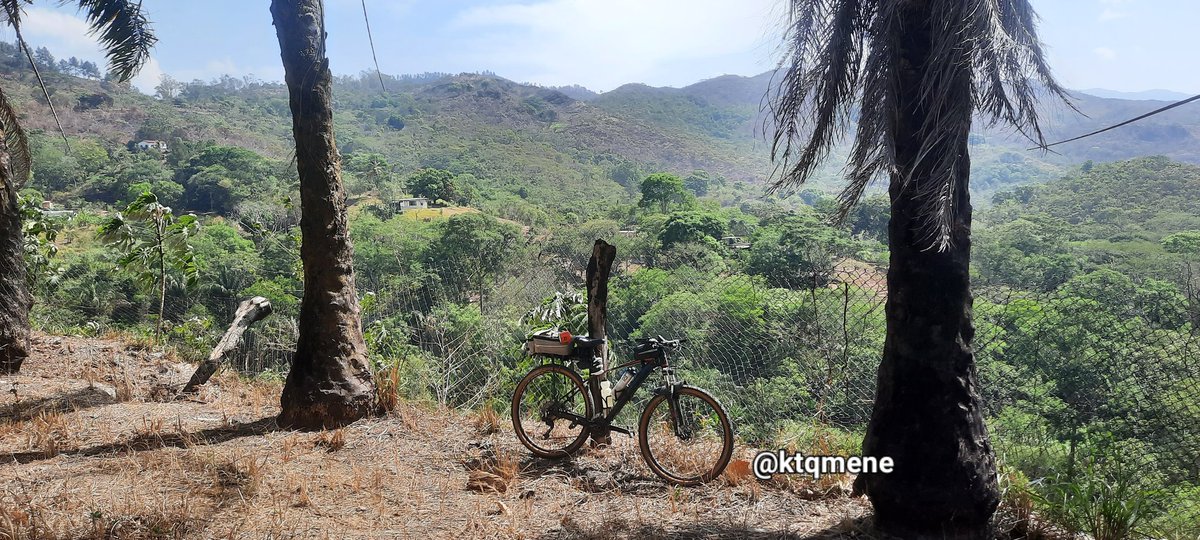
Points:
[(565, 337)]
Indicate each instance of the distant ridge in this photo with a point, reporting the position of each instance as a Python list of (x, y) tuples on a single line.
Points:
[(1156, 94)]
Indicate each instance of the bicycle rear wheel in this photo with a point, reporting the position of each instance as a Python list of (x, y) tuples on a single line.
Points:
[(550, 408), (690, 445)]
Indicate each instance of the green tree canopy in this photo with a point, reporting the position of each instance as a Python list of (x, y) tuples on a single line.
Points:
[(434, 184), (798, 251), (220, 177), (1183, 243), (471, 250), (661, 190), (691, 226)]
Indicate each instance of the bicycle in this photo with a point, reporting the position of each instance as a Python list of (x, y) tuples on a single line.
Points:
[(684, 434)]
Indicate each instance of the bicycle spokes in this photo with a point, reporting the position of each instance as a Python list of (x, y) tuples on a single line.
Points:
[(686, 438), (550, 411)]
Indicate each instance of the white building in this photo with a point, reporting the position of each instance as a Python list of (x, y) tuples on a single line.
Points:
[(150, 144), (413, 203)]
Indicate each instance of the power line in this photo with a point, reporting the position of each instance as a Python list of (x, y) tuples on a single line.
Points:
[(370, 39), (1115, 126)]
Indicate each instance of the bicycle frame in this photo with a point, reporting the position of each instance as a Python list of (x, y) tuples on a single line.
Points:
[(605, 416), (626, 396)]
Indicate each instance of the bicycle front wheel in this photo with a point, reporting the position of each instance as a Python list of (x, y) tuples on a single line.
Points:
[(550, 408), (688, 439)]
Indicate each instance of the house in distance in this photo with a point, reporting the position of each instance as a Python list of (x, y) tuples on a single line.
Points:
[(151, 144), (412, 203)]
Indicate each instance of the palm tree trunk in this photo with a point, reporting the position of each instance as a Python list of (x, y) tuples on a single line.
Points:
[(330, 383), (927, 413), (15, 299)]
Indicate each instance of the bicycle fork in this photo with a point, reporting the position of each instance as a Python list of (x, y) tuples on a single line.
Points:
[(671, 391)]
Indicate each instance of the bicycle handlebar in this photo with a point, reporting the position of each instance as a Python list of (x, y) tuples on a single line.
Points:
[(659, 340)]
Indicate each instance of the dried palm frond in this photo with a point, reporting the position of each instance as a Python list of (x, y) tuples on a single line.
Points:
[(984, 57), (12, 13), (16, 141)]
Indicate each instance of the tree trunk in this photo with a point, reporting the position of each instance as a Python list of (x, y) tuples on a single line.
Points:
[(330, 383), (249, 312), (15, 299), (598, 270), (927, 413)]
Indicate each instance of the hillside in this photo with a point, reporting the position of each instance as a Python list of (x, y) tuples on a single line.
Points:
[(1086, 311), (727, 109), (560, 145), (93, 446), (1146, 198)]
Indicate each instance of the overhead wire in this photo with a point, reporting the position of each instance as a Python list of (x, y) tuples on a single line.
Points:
[(1115, 126)]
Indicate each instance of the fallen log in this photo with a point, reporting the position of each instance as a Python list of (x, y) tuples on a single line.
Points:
[(249, 312)]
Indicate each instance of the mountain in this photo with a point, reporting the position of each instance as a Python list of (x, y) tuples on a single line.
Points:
[(576, 91), (559, 146), (728, 110), (1157, 94)]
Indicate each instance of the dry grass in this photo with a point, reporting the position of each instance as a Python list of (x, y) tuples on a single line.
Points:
[(49, 433), (214, 466), (495, 473), (427, 214), (387, 389), (486, 421), (331, 441)]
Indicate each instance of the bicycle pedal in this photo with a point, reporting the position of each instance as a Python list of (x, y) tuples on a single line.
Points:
[(621, 430)]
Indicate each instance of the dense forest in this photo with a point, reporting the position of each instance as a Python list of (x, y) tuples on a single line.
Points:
[(1087, 274)]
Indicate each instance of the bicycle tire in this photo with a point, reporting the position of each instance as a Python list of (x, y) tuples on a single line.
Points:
[(523, 434), (656, 465)]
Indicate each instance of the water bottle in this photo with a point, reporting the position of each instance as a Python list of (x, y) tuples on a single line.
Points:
[(606, 394), (623, 380)]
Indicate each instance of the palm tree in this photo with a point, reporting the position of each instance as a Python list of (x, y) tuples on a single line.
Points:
[(329, 383), (126, 37), (918, 70)]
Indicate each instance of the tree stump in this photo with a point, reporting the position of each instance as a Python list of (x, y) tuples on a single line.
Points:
[(598, 270), (249, 312)]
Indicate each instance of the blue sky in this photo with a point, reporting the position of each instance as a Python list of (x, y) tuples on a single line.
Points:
[(1126, 45)]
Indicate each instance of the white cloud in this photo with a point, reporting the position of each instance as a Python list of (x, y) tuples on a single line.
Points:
[(65, 35), (603, 44), (1112, 10), (148, 77), (1105, 53)]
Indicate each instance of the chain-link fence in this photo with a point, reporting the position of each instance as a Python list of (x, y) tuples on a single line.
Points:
[(1088, 375)]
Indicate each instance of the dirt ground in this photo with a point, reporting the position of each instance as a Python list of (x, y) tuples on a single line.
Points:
[(94, 445)]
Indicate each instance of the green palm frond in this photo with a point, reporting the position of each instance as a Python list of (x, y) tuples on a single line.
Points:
[(123, 32)]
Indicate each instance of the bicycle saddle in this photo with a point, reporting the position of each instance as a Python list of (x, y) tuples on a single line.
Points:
[(585, 342)]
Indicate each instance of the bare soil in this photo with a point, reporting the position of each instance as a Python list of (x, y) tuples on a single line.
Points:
[(93, 444)]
